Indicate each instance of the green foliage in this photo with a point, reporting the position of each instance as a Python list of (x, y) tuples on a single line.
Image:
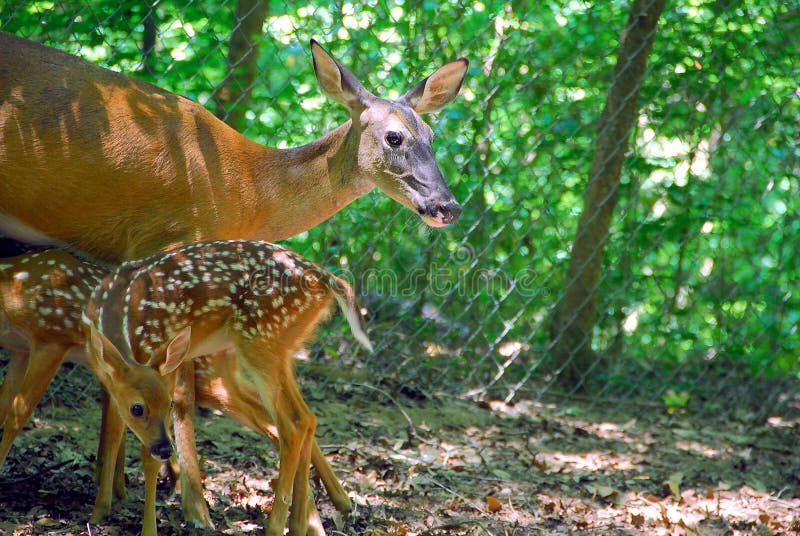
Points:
[(701, 263), (675, 401)]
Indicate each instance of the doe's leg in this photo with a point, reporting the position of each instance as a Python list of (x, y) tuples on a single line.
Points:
[(43, 363), (12, 381)]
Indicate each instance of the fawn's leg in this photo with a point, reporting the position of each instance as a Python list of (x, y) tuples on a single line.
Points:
[(103, 449), (219, 385), (267, 372), (296, 426), (112, 436), (336, 492), (195, 509), (150, 466), (43, 363), (314, 522), (119, 473), (235, 396), (301, 499)]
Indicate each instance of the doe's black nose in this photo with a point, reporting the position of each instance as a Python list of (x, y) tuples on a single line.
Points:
[(450, 211)]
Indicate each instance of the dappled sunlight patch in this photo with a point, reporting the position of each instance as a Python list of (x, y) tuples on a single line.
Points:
[(508, 349), (697, 508), (549, 467), (225, 485), (595, 461), (243, 526), (698, 448), (610, 430), (527, 408), (780, 422), (434, 349), (444, 455)]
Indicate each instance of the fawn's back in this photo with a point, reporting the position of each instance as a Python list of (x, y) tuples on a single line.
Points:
[(42, 296), (225, 291)]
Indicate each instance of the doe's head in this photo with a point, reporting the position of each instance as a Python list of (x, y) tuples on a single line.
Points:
[(395, 149)]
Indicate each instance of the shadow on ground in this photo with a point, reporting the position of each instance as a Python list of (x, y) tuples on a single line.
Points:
[(447, 466)]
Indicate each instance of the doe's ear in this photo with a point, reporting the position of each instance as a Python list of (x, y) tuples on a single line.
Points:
[(177, 351), (439, 89), (338, 82)]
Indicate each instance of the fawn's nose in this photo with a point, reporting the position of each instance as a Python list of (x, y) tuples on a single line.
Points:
[(161, 450)]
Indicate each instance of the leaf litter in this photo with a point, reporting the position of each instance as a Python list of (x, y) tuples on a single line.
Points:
[(444, 466)]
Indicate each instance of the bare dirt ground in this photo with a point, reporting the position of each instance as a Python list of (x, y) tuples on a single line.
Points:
[(446, 466)]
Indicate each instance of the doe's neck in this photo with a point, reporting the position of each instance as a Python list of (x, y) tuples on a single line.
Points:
[(303, 186)]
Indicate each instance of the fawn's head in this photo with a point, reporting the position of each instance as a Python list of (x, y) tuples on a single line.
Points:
[(395, 145), (142, 394)]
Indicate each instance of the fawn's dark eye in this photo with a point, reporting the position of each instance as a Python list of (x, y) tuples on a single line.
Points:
[(137, 410), (171, 404), (394, 138)]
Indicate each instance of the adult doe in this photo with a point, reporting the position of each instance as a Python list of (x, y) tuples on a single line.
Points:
[(127, 169)]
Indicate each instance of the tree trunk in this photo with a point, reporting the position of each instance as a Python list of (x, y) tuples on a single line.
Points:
[(574, 317), (233, 96), (149, 39)]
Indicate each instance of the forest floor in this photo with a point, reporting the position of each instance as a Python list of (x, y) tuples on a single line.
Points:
[(446, 466)]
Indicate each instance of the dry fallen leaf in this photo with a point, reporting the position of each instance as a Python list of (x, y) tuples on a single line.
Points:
[(637, 520), (665, 517), (493, 504), (398, 529), (713, 526)]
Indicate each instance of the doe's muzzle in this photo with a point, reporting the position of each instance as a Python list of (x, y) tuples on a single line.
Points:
[(446, 212)]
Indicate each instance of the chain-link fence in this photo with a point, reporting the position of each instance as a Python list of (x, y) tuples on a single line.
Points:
[(630, 234)]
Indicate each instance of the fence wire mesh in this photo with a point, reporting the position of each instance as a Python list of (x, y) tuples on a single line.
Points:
[(696, 297)]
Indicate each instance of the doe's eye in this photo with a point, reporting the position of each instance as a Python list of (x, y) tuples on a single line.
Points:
[(137, 410), (394, 138)]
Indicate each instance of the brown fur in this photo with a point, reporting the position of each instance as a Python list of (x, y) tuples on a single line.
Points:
[(126, 169), (42, 296), (256, 299)]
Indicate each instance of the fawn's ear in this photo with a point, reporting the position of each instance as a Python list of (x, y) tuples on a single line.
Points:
[(177, 351), (104, 359)]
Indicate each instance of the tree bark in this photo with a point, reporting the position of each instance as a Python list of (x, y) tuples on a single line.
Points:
[(233, 96), (574, 316), (149, 39)]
